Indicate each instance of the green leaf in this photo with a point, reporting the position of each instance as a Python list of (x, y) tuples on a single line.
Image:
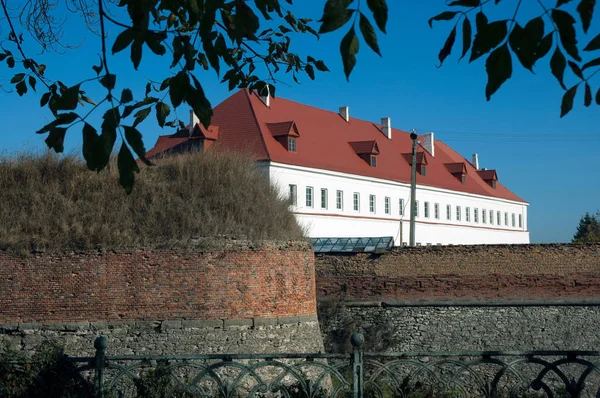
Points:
[(122, 41), (32, 82), (499, 69), (127, 167), (594, 62), (594, 44), (98, 68), (90, 138), (575, 68), (588, 95), (134, 139), (21, 88), (447, 49), (310, 71), (68, 100), (586, 11), (558, 64), (63, 118), (10, 61), (335, 15), (45, 98), (368, 33), (487, 38), (349, 49), (467, 33), (444, 16), (564, 21), (141, 115), (126, 96), (3, 56), (567, 101), (561, 2), (598, 97), (465, 3), (524, 41), (380, 12), (130, 108), (17, 78), (56, 138), (162, 111), (136, 53), (201, 105), (153, 42), (109, 81), (211, 54), (178, 87)]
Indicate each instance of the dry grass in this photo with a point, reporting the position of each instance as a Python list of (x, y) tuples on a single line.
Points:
[(51, 203)]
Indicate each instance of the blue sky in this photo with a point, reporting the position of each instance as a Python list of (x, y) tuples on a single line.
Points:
[(550, 162)]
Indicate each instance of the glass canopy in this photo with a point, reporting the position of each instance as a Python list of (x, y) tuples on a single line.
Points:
[(352, 245)]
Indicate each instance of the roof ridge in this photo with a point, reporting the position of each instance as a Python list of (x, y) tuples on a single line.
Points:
[(260, 130)]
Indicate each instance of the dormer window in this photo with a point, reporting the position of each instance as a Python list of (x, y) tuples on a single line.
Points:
[(489, 176), (423, 170), (458, 170), (291, 144), (367, 151), (494, 184), (421, 161), (286, 133)]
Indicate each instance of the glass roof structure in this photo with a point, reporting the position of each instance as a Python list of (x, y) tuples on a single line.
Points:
[(352, 245)]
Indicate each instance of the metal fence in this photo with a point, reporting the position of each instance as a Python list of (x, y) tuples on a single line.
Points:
[(357, 374)]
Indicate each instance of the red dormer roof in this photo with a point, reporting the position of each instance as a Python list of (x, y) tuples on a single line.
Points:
[(456, 168), (365, 147), (212, 133), (246, 124), (421, 158), (280, 129), (488, 175)]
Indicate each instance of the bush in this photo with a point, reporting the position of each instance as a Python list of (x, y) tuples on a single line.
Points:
[(55, 203)]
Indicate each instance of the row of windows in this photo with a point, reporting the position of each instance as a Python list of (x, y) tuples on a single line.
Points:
[(479, 215)]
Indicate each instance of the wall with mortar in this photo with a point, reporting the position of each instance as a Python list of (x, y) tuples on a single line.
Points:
[(486, 272), (212, 296)]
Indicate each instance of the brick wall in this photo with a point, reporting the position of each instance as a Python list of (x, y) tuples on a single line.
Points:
[(267, 281), (505, 272)]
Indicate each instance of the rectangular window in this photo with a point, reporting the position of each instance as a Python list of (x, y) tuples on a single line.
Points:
[(373, 161), (293, 195), (291, 144), (372, 203), (387, 205), (514, 223), (416, 209), (498, 218), (520, 221), (323, 198), (448, 212), (339, 200), (467, 214), (401, 207), (457, 213), (423, 170), (426, 209), (436, 211), (506, 219), (476, 215), (356, 200), (484, 216), (309, 197)]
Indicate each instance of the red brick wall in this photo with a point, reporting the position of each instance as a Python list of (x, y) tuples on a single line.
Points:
[(507, 272), (260, 282)]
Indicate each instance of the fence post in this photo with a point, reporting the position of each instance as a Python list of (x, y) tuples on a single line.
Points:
[(100, 345), (357, 340)]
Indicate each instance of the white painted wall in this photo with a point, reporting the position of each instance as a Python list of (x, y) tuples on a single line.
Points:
[(346, 222)]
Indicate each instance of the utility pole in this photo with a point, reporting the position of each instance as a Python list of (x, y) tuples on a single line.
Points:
[(413, 187)]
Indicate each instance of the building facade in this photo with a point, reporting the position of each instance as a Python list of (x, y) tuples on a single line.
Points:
[(351, 178)]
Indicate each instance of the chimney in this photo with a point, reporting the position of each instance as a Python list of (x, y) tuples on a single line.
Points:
[(193, 120), (386, 127), (429, 144), (266, 99), (345, 113), (475, 161)]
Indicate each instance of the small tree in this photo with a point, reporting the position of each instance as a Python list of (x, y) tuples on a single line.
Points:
[(588, 229)]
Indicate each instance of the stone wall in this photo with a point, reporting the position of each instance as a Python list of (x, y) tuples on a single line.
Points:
[(456, 327), (486, 272), (214, 296)]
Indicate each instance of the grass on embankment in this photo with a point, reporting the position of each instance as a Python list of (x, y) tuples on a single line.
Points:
[(54, 203)]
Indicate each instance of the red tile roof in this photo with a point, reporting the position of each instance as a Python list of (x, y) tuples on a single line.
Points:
[(245, 122), (283, 129)]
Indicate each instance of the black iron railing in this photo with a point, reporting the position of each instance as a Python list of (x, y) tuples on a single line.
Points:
[(358, 374)]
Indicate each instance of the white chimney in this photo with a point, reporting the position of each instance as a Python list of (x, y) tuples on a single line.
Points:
[(266, 99), (475, 161), (345, 113), (193, 120), (386, 127), (429, 144)]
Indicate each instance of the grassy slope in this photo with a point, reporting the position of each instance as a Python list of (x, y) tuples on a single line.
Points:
[(49, 203)]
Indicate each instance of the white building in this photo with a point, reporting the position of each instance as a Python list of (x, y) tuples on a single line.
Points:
[(351, 178)]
